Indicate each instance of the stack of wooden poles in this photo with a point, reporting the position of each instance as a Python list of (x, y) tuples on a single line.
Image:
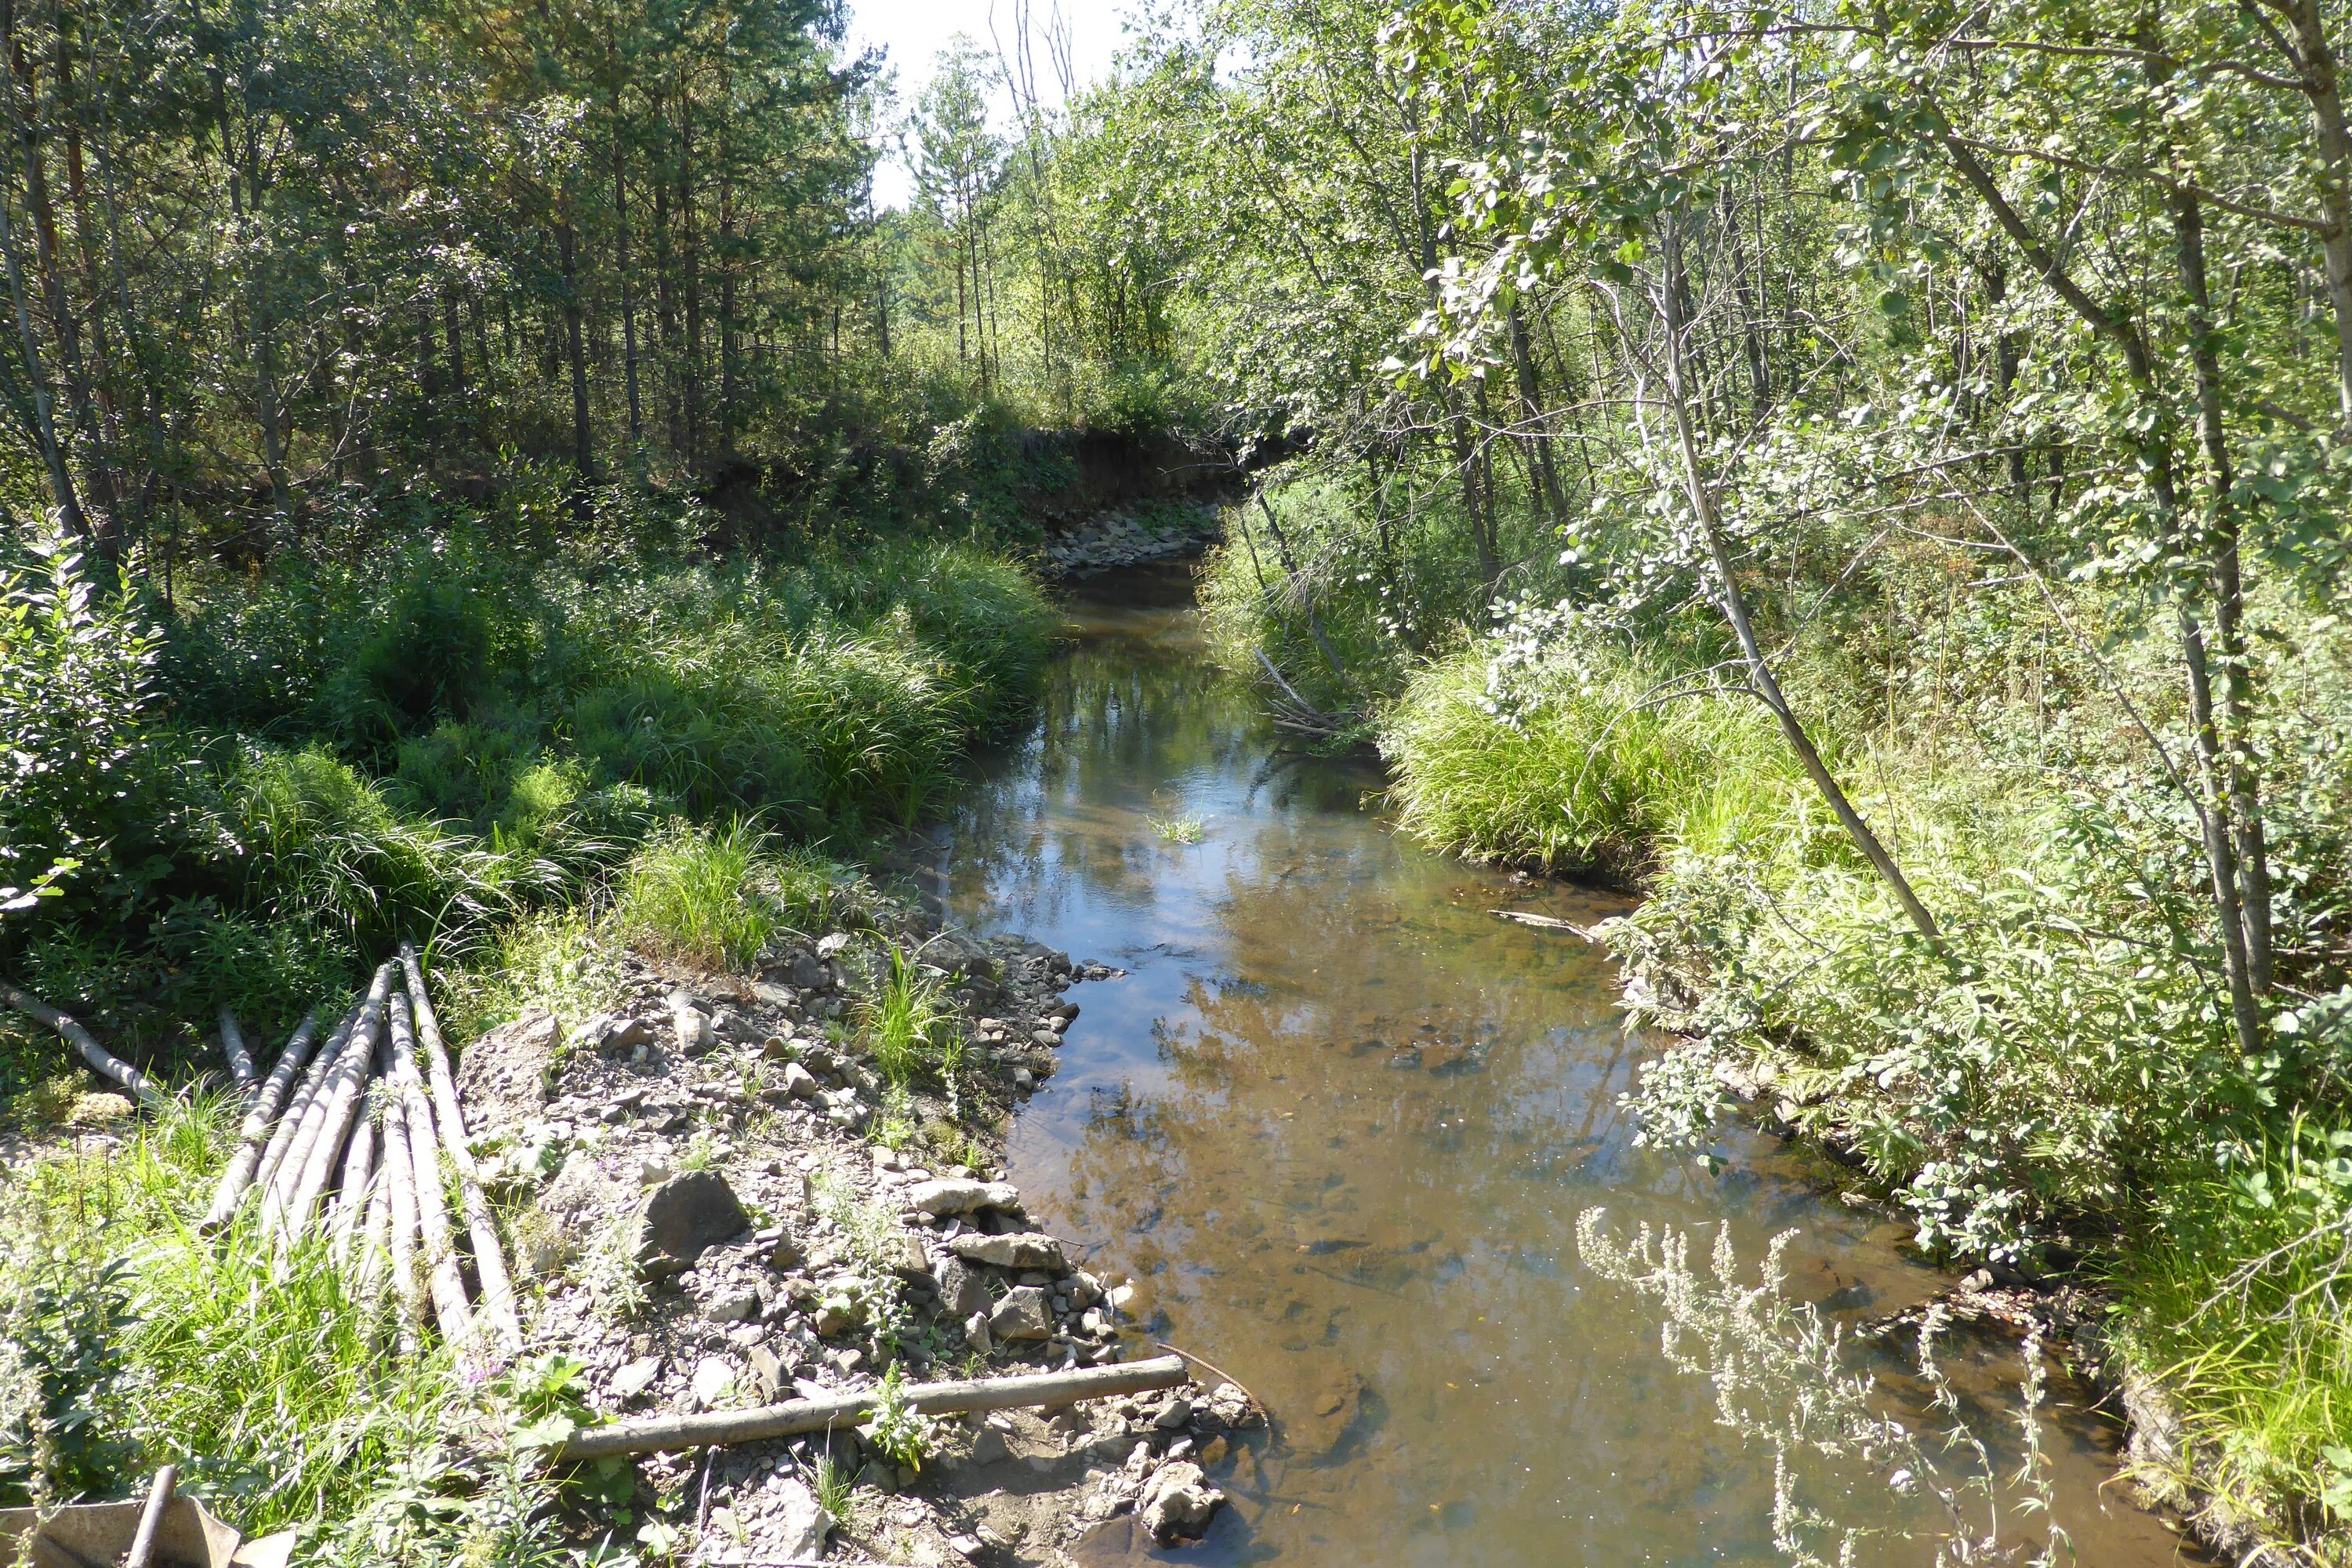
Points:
[(362, 1149)]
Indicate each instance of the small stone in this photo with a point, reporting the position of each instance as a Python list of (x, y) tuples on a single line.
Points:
[(634, 1377), (739, 1305), (906, 1257), (1120, 1297), (833, 1316), (767, 1371), (975, 1333), (692, 1028), (950, 1195), (683, 1218), (1178, 1501), (1021, 1315), (962, 1290), (714, 1380), (799, 1524), (1173, 1412), (833, 944), (800, 1083), (1022, 1250)]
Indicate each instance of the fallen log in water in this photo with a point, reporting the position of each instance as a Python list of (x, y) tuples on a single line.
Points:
[(259, 1119), (720, 1427), (105, 1063)]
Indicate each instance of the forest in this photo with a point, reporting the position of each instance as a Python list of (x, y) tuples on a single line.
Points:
[(1870, 479)]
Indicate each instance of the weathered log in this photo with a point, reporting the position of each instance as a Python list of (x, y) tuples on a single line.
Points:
[(400, 1248), (353, 1187), (103, 1062), (259, 1116), (303, 1178), (719, 1427), (375, 1235), (289, 1126), (448, 1285), (150, 1518), (481, 1225), (241, 1070)]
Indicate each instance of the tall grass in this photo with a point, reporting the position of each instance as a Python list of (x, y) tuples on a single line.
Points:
[(909, 1027), (693, 893), (1580, 764)]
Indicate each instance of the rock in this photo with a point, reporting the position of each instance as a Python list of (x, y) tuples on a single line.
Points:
[(797, 1529), (962, 1290), (833, 944), (976, 1334), (802, 972), (780, 1251), (1177, 1503), (682, 1217), (905, 1257), (510, 1073), (1120, 1297), (833, 1316), (1174, 1411), (950, 1195), (1023, 1314), (767, 1371), (739, 1305), (988, 1446), (714, 1380), (800, 1083), (692, 1027), (634, 1377), (1021, 1250), (97, 1111)]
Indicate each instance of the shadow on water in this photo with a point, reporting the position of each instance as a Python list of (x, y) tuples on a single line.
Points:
[(1338, 1123)]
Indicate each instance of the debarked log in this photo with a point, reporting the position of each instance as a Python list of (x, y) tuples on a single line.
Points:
[(720, 1427), (103, 1062)]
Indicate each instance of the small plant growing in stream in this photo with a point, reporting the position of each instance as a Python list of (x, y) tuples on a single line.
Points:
[(1784, 1380), (1178, 830)]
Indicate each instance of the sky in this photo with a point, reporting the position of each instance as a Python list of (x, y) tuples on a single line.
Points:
[(912, 32)]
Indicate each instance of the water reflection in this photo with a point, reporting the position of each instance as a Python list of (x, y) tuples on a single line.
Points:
[(1338, 1121)]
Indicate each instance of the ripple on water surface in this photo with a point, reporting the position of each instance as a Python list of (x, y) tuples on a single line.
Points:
[(1338, 1123)]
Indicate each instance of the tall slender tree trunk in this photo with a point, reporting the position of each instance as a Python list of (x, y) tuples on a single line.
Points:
[(575, 351), (1672, 296), (620, 264)]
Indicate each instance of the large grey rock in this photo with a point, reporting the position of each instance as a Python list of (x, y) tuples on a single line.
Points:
[(634, 1377), (802, 972), (1178, 1501), (736, 1304), (1022, 1250), (963, 1290), (682, 1217), (1023, 1314), (510, 1073), (960, 1194)]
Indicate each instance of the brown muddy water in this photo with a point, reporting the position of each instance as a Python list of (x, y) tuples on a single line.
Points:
[(1338, 1121)]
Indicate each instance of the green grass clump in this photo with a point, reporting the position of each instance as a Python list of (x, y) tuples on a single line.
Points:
[(693, 893), (1577, 765), (910, 1028)]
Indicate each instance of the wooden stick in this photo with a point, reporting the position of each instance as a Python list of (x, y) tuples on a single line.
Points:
[(666, 1433), (401, 1247), (105, 1063), (355, 1186), (376, 1239), (448, 1285), (150, 1518), (334, 1110), (241, 1070), (481, 1225), (255, 1130)]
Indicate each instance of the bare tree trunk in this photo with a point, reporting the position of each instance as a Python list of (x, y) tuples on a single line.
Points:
[(1734, 604), (575, 353)]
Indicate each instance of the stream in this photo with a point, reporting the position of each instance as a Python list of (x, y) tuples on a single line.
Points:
[(1338, 1121)]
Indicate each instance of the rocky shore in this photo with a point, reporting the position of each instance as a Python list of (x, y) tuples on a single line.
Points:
[(1117, 539), (719, 1212)]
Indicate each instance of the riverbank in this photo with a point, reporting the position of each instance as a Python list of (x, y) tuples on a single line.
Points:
[(720, 1188)]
